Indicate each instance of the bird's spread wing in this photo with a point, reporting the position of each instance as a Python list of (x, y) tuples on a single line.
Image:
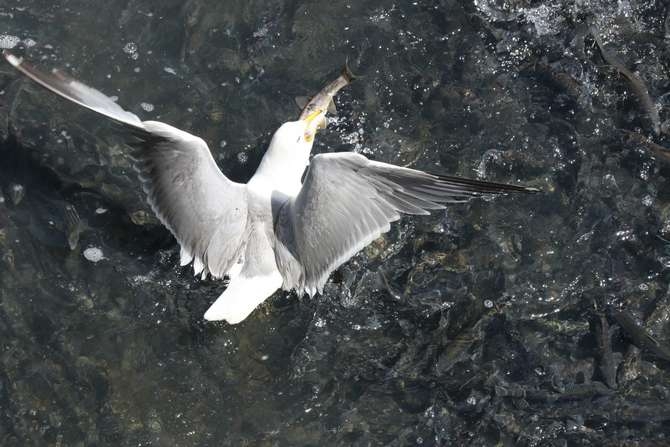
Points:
[(205, 211), (346, 202)]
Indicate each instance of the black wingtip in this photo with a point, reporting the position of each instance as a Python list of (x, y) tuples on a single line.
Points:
[(485, 187)]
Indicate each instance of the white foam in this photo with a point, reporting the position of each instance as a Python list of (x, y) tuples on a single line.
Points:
[(242, 157), (130, 49), (7, 41), (94, 254)]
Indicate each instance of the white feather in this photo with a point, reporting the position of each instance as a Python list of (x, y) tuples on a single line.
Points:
[(185, 257), (198, 266), (242, 296)]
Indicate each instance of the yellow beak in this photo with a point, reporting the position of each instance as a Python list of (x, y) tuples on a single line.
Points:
[(309, 133), (313, 116)]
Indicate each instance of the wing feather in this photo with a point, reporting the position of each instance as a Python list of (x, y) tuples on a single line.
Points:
[(204, 210), (347, 201)]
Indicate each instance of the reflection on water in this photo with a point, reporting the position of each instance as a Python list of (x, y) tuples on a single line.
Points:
[(489, 323)]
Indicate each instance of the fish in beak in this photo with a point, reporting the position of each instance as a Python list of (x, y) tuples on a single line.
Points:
[(314, 110)]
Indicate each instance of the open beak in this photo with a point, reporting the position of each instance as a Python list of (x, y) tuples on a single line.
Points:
[(318, 117)]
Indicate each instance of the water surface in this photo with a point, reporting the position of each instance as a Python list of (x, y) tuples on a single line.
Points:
[(480, 325)]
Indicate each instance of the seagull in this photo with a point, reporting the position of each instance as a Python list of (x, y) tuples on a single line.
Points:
[(280, 229)]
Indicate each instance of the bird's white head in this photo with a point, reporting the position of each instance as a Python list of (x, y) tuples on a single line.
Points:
[(288, 154), (294, 139), (301, 132)]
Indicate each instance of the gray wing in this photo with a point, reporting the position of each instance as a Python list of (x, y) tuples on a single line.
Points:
[(204, 210), (346, 202)]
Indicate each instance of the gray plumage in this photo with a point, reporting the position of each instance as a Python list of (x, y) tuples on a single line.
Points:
[(348, 201), (204, 210)]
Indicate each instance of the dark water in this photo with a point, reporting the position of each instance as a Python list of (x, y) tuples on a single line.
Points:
[(503, 322)]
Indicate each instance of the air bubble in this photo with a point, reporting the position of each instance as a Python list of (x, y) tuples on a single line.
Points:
[(131, 50), (242, 157)]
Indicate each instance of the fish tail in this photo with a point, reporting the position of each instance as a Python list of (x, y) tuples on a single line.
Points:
[(347, 74)]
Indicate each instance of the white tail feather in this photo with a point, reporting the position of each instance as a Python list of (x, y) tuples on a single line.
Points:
[(242, 296)]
